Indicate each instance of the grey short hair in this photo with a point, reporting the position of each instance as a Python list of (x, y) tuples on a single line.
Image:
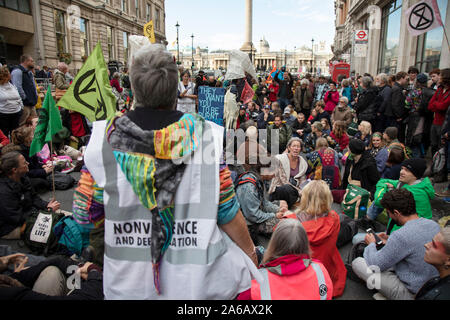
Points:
[(305, 81), (154, 78), (367, 82), (292, 140), (344, 98), (289, 237), (383, 78)]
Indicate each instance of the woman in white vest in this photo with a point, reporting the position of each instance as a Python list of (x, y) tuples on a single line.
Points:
[(186, 97), (173, 227)]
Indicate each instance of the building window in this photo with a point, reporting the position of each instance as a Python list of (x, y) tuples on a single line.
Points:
[(17, 5), (124, 5), (110, 40), (390, 37), (157, 19), (136, 7), (60, 30), (429, 45), (125, 46), (149, 12), (84, 37)]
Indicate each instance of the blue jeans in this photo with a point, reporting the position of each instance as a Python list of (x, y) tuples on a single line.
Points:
[(374, 211), (284, 102)]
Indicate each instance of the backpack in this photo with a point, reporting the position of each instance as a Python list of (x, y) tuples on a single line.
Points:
[(356, 201), (348, 229), (63, 181), (439, 160), (356, 251), (39, 236)]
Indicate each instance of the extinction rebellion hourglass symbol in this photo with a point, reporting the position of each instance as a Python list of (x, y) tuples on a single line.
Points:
[(421, 17)]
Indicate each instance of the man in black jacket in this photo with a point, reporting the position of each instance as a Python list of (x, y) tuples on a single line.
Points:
[(17, 196), (399, 112), (385, 95)]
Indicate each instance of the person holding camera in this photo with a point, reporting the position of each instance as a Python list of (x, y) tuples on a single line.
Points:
[(398, 270)]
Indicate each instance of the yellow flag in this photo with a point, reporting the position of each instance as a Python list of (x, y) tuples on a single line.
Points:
[(149, 31)]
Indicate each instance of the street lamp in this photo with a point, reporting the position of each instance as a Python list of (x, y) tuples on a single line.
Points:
[(207, 57), (312, 54), (178, 45), (192, 52)]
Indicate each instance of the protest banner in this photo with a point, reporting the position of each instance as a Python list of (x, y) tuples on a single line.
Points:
[(211, 103), (90, 93)]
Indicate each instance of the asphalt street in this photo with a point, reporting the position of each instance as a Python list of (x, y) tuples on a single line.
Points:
[(353, 291)]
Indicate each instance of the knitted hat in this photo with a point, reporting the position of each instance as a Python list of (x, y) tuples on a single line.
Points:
[(416, 166), (357, 146), (422, 78)]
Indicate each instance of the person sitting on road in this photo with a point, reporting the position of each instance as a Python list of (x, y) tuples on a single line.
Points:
[(399, 265), (437, 253), (376, 144), (289, 270), (411, 179), (284, 135), (290, 175), (364, 132), (361, 169), (260, 214), (17, 196), (322, 226), (390, 138), (301, 128), (47, 280), (324, 164)]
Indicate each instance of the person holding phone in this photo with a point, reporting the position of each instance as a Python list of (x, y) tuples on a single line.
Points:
[(398, 270)]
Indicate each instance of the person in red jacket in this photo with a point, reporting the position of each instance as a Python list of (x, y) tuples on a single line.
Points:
[(439, 104), (322, 226), (331, 98), (273, 91), (339, 135), (3, 140), (289, 272)]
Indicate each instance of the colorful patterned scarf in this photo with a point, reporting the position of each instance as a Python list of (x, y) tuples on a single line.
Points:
[(147, 160)]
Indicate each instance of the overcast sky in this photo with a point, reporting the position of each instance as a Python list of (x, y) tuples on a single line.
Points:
[(220, 24)]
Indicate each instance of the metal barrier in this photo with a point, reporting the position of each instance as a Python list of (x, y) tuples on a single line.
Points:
[(45, 83)]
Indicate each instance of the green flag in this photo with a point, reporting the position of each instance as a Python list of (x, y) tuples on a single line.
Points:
[(90, 92), (48, 125)]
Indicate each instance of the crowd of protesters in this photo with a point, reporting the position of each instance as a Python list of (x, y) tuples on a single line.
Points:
[(309, 142)]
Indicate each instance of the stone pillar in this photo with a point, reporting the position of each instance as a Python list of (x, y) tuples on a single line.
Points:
[(248, 45), (39, 52), (445, 53)]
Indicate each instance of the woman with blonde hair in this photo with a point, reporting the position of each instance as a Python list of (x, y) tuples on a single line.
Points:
[(289, 271), (322, 226), (364, 132)]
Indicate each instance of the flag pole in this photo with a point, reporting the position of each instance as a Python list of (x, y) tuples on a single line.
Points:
[(53, 170)]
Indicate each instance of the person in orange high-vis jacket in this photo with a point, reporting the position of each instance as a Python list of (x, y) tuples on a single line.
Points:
[(322, 226), (288, 271)]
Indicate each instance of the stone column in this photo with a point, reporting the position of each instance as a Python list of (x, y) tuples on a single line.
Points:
[(248, 45)]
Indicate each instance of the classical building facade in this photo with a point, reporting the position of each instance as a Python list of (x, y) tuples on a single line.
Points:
[(390, 48), (300, 60), (53, 31)]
